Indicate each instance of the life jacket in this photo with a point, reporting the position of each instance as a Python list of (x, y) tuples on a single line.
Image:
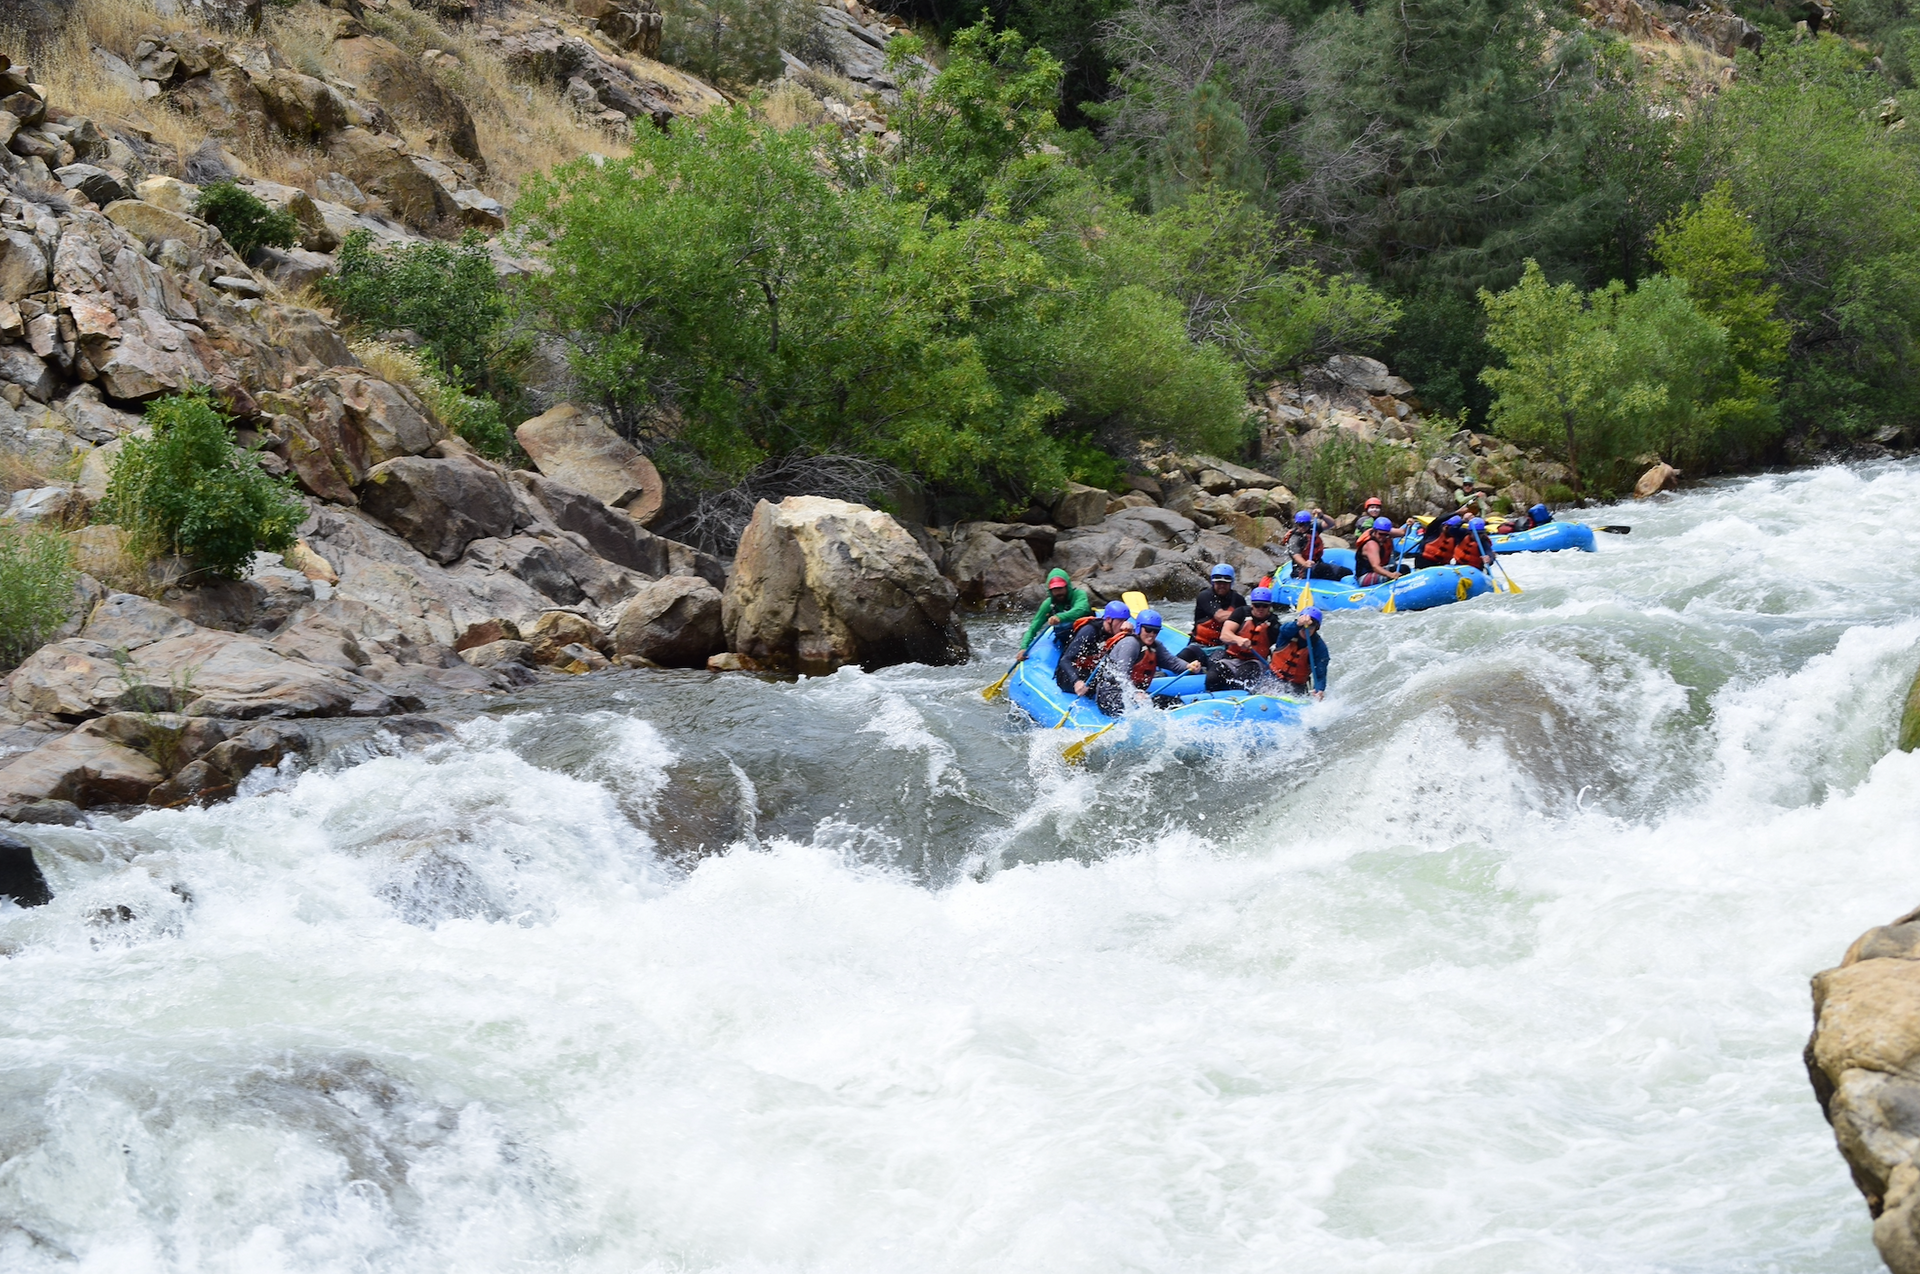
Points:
[(1384, 539), (1145, 667), (1261, 632), (1468, 553), (1093, 652), (1439, 550), (1207, 632), (1293, 662)]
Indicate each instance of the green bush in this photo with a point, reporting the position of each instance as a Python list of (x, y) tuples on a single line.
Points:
[(189, 491), (1344, 470), (247, 222), (477, 419), (36, 587), (447, 294)]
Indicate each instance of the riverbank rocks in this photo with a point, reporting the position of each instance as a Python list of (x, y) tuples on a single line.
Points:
[(439, 506), (674, 622), (1864, 1061), (1662, 477), (819, 583), (577, 449)]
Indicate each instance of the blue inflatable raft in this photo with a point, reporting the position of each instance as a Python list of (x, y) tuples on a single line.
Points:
[(1422, 590), (1551, 538), (1034, 691)]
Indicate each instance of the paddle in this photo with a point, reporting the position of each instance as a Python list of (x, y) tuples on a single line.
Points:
[(1136, 602), (993, 691), (1614, 530), (1511, 586), (1077, 752)]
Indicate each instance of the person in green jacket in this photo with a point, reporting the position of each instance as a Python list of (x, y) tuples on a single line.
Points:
[(1064, 604)]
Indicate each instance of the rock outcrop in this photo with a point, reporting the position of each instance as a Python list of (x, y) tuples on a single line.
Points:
[(1864, 1061), (820, 583), (577, 448)]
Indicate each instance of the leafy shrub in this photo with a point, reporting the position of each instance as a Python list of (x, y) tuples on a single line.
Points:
[(477, 419), (188, 490), (36, 586), (447, 294), (1344, 470), (247, 221)]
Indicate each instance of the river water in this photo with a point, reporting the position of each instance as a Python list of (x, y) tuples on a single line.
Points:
[(1500, 968)]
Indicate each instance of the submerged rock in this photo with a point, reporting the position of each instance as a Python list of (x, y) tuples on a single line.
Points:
[(819, 583)]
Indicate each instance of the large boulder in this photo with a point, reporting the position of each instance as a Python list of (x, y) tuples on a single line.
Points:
[(345, 421), (1864, 1061), (1662, 477), (983, 566), (439, 506), (818, 583), (1080, 505), (378, 164), (577, 449), (674, 622)]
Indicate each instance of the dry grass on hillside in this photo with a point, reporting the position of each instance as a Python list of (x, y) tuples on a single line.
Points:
[(523, 129)]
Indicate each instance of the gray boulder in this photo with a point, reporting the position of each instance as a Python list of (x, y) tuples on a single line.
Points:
[(674, 622), (439, 506), (819, 583)]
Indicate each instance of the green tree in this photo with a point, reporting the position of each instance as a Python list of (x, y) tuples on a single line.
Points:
[(1556, 382), (188, 490), (244, 219), (735, 42), (1207, 147)]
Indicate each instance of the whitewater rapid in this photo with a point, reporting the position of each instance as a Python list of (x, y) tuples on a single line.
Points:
[(1501, 968)]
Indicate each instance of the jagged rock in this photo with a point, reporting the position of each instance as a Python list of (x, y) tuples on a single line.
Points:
[(819, 583), (20, 876), (1080, 505), (632, 90), (486, 632), (344, 422), (39, 504), (439, 506), (1662, 477), (219, 771), (984, 567), (89, 418), (23, 266), (674, 622), (495, 653), (82, 768), (378, 165), (388, 76), (528, 559), (97, 184), (168, 193), (292, 268), (1236, 477), (154, 224), (577, 448), (21, 366), (1368, 374)]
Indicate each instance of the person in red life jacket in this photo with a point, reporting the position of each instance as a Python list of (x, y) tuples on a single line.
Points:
[(1438, 542), (1307, 546), (1299, 656), (1249, 636), (1375, 560), (1212, 608), (1132, 661), (1092, 637), (1473, 549)]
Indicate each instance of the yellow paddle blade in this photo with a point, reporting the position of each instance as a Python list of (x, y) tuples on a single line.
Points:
[(1136, 602), (1511, 586), (1306, 596), (1390, 608), (993, 691), (1077, 752)]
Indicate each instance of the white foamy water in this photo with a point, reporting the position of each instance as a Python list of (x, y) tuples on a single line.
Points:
[(1503, 968)]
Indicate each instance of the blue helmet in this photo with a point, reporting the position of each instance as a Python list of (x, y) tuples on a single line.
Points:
[(1148, 619), (1313, 613), (1539, 513), (1303, 517), (1381, 524), (1478, 525), (1116, 610), (1259, 595), (1223, 570)]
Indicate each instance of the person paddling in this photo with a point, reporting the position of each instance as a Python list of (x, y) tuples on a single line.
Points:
[(1064, 604), (1214, 607), (1473, 549), (1132, 661), (1250, 637), (1307, 549), (1092, 637), (1300, 657), (1374, 556), (1438, 542)]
